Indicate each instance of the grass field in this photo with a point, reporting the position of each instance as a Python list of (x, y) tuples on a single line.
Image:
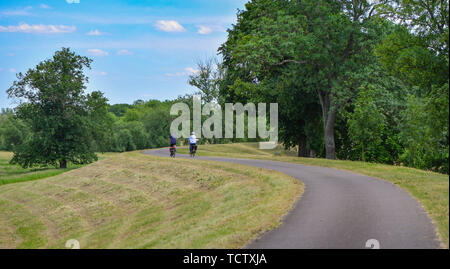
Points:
[(431, 189), (132, 200), (14, 173)]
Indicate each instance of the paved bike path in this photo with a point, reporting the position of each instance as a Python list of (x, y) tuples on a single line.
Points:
[(341, 209)]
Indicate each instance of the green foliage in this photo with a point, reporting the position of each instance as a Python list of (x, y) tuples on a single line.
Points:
[(417, 54), (157, 121), (319, 48), (119, 109), (122, 139), (366, 124), (132, 115), (409, 58), (427, 18), (57, 111), (424, 130), (13, 131), (145, 124), (367, 80), (357, 66)]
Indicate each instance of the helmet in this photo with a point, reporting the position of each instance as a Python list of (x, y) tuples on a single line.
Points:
[(193, 133)]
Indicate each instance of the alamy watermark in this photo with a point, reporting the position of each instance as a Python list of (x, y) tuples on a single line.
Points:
[(256, 121)]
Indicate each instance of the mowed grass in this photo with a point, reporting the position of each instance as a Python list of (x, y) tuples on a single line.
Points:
[(431, 189), (132, 200), (14, 173)]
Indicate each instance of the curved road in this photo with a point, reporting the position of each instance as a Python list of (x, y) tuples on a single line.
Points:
[(340, 209)]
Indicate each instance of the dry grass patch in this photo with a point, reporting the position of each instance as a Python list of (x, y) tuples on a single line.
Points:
[(132, 200)]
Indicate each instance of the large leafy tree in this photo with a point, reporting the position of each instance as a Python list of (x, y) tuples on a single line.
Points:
[(63, 119), (253, 76), (327, 42)]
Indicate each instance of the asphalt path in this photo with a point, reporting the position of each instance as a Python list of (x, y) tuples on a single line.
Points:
[(342, 210)]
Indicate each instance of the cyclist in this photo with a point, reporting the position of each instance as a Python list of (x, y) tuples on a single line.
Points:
[(192, 141), (172, 140), (173, 145)]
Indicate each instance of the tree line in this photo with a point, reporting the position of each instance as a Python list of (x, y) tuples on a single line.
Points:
[(354, 80)]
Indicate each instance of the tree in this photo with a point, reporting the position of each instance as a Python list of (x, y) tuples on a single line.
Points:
[(119, 109), (13, 131), (327, 42), (437, 109), (132, 115), (122, 138), (428, 19), (367, 122), (100, 120), (58, 112), (417, 53), (157, 123), (413, 131), (207, 79), (409, 58)]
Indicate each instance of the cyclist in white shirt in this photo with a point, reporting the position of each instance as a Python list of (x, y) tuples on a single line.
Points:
[(192, 141)]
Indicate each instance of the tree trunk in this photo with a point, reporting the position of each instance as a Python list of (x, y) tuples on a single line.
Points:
[(330, 147), (363, 153), (63, 164), (329, 119), (302, 151)]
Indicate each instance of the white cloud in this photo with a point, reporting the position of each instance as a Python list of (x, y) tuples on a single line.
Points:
[(170, 26), (95, 33), (191, 70), (204, 30), (44, 6), (187, 71), (73, 1), (97, 52), (124, 52), (38, 29)]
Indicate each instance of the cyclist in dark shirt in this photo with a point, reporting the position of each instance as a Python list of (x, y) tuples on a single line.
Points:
[(173, 141), (173, 145)]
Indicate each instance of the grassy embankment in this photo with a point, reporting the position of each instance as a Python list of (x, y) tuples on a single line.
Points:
[(431, 189), (132, 200), (14, 173)]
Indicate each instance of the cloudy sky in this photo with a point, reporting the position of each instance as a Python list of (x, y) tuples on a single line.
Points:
[(142, 49)]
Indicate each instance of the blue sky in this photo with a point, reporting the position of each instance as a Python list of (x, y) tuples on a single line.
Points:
[(141, 49)]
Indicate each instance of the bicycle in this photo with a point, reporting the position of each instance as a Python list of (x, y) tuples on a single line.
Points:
[(172, 151), (193, 151)]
